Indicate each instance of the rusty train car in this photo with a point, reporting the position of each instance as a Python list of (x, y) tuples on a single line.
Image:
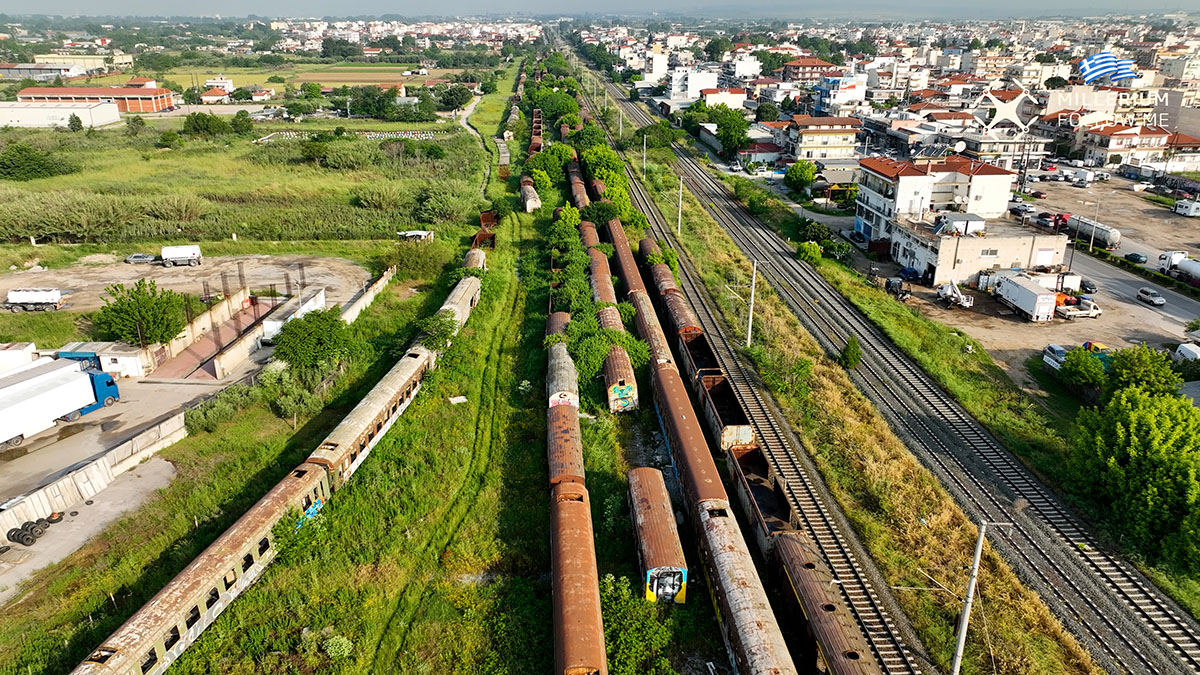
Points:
[(575, 580), (752, 636), (820, 631), (155, 636), (664, 568)]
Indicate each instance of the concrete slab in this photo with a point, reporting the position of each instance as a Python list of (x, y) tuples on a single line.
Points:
[(188, 363), (128, 491)]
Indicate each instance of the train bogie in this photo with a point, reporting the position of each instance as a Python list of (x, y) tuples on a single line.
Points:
[(664, 567), (575, 590), (172, 620), (824, 635), (564, 445)]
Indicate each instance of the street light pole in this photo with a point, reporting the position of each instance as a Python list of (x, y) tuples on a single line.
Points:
[(679, 218), (643, 156), (750, 319), (966, 613)]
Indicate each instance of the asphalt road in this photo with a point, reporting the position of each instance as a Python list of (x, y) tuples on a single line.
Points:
[(1117, 284)]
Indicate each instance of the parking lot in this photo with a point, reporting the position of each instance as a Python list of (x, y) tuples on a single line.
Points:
[(83, 284)]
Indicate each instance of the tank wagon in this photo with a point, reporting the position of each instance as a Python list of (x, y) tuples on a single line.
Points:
[(155, 636), (664, 569)]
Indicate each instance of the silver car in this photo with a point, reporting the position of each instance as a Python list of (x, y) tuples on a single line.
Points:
[(1150, 296)]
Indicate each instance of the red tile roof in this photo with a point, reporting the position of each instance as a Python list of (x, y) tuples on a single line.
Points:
[(117, 92), (760, 147), (214, 92), (968, 166), (925, 105), (139, 80), (1181, 140), (1114, 129), (810, 63), (810, 121), (890, 168)]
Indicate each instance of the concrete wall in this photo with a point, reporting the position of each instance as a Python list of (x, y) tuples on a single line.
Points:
[(351, 310), (85, 481), (216, 315), (237, 351)]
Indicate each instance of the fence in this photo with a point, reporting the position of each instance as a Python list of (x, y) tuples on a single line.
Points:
[(83, 482), (352, 309)]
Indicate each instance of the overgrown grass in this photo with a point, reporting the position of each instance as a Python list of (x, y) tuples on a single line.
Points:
[(48, 330), (1161, 200), (907, 521)]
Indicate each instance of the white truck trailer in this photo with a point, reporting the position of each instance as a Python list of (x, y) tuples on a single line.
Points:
[(33, 300), (1179, 265), (181, 255), (1187, 207), (1027, 297), (34, 398)]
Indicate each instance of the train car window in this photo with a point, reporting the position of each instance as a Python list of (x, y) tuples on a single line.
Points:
[(213, 597), (230, 579), (193, 617), (102, 655), (150, 660), (171, 637), (263, 545), (247, 562), (307, 502), (299, 473), (718, 513)]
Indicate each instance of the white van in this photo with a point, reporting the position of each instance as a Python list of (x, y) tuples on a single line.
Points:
[(181, 255)]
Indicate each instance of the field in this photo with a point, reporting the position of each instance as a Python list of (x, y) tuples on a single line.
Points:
[(907, 521), (327, 74)]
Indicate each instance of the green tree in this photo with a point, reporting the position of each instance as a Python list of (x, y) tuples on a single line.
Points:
[(716, 48), (541, 182), (1145, 368), (800, 175), (315, 340), (1056, 82), (637, 635), (1138, 458), (19, 161), (336, 48), (135, 125), (276, 79), (590, 135), (767, 112), (241, 123), (310, 90), (169, 139), (1115, 158), (437, 330), (1082, 369), (456, 97), (191, 96), (851, 354), (140, 315), (809, 252), (74, 123), (975, 44), (731, 129), (994, 43), (205, 124)]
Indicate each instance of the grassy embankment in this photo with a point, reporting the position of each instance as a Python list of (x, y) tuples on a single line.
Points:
[(908, 523), (1041, 435)]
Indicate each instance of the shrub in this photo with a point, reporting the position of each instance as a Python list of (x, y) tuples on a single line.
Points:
[(177, 207), (22, 162), (221, 408), (169, 139), (351, 156), (383, 197), (851, 354), (205, 124), (338, 647), (809, 252)]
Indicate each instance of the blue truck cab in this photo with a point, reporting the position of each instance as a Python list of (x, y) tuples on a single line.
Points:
[(105, 389)]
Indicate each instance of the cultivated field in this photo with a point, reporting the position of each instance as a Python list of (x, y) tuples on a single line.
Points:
[(331, 75)]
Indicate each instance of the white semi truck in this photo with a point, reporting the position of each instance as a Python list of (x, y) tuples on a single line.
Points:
[(33, 300), (1027, 297), (34, 397), (181, 255), (1179, 265)]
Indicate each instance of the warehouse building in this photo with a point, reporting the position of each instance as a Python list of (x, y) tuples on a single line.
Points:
[(956, 247), (93, 63), (128, 99), (46, 115), (39, 72)]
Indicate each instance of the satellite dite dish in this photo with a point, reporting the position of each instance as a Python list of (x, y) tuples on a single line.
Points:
[(960, 146)]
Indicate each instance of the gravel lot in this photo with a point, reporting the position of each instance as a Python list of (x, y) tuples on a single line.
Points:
[(83, 284)]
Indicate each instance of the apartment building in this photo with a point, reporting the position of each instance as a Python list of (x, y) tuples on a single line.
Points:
[(822, 138), (808, 70), (840, 94), (1106, 144)]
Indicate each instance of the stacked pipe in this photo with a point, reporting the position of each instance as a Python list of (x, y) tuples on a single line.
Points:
[(575, 590)]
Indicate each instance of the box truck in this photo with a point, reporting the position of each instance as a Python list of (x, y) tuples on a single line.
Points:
[(34, 398), (33, 300), (1027, 297), (181, 255)]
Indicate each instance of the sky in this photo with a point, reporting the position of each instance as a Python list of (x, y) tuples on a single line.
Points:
[(891, 9)]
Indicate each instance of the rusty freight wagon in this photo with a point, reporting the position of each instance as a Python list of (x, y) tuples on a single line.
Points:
[(578, 629), (664, 568)]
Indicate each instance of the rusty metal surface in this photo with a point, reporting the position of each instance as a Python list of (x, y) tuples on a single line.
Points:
[(610, 319), (578, 628), (597, 188), (654, 520), (724, 413), (562, 379), (564, 445), (475, 258), (587, 234), (170, 606), (602, 287), (650, 330), (557, 323), (811, 587), (746, 613), (697, 471), (648, 246), (663, 279), (680, 315), (626, 266)]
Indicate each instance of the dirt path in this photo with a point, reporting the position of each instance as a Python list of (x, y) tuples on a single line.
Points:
[(84, 284), (462, 120)]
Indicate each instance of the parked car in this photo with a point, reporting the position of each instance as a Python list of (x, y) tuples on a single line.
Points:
[(141, 258), (858, 237), (1080, 183), (1045, 214), (1038, 194), (1055, 352), (910, 274), (1045, 222), (1087, 286), (1051, 167), (1139, 258), (1032, 179), (1150, 296)]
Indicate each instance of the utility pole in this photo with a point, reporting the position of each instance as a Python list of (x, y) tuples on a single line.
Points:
[(643, 156), (965, 619), (750, 319), (621, 128), (679, 219)]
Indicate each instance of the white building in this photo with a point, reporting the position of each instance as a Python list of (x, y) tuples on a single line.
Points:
[(734, 99), (220, 82), (840, 95), (23, 114), (956, 247), (689, 82)]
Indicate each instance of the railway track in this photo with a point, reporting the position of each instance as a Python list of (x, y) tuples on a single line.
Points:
[(804, 500), (1115, 611)]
